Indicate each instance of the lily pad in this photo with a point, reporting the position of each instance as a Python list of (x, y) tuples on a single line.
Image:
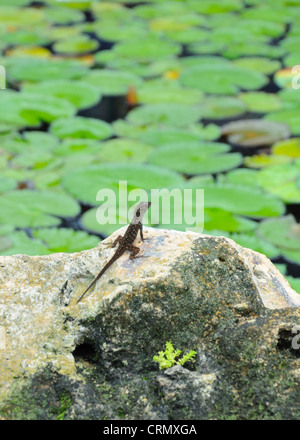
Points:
[(292, 256), (65, 240), (36, 208), (261, 102), (18, 17), (259, 64), (214, 6), (281, 180), (242, 200), (84, 183), (7, 184), (37, 69), (30, 109), (126, 150), (169, 135), (253, 47), (216, 218), (196, 157), (125, 31), (254, 132), (112, 82), (265, 160), (80, 127), (20, 243), (288, 117), (225, 79), (148, 48), (284, 77), (242, 176), (77, 44), (221, 107), (73, 147), (153, 92), (89, 221), (294, 282), (282, 232), (79, 93), (177, 115), (289, 147), (256, 244), (63, 15)]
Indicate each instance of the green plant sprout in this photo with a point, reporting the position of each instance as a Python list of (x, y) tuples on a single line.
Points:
[(167, 358)]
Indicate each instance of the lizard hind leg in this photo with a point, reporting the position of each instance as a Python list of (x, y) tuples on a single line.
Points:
[(117, 240), (134, 250)]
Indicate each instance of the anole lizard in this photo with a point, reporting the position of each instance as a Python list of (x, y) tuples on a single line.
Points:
[(126, 242)]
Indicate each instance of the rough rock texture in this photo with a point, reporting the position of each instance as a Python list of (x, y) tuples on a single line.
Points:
[(93, 360)]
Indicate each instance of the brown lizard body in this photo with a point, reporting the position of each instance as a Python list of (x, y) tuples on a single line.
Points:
[(126, 242)]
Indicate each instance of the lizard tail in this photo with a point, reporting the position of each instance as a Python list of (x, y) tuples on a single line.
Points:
[(96, 279)]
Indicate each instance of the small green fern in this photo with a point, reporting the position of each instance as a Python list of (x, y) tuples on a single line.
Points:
[(167, 358)]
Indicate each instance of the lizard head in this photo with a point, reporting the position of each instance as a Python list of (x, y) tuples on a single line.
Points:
[(141, 209)]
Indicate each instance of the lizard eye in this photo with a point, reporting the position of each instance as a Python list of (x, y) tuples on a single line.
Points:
[(138, 213)]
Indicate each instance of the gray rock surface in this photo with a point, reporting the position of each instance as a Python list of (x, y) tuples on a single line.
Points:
[(94, 360)]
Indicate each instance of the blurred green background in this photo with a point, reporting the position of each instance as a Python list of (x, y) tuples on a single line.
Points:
[(162, 94)]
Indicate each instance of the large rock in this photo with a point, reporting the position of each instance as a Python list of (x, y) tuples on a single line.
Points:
[(94, 360)]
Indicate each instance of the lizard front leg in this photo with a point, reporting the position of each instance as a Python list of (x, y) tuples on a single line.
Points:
[(141, 231)]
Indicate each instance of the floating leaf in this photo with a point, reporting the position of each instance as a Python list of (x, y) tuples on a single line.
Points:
[(86, 182), (249, 201), (5, 243), (289, 147), (125, 150), (169, 135), (221, 107), (254, 132), (18, 17), (7, 184), (292, 256), (63, 15), (242, 176), (214, 6), (294, 282), (79, 93), (283, 232), (196, 157), (65, 240), (89, 221), (73, 147), (36, 208), (281, 180), (265, 160), (80, 127), (153, 92), (259, 64), (216, 218), (225, 79), (112, 82), (30, 109), (253, 47), (288, 117), (256, 244), (123, 32), (147, 48), (77, 44), (177, 115), (284, 77), (20, 243), (261, 102), (37, 69)]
